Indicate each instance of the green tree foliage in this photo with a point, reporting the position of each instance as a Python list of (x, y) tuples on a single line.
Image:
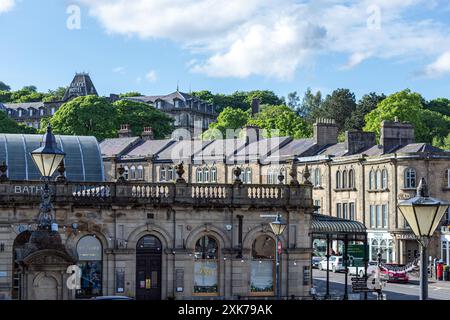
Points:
[(7, 125), (139, 115), (229, 118), (26, 94), (4, 86), (441, 105), (86, 116), (311, 106), (282, 121), (130, 94), (294, 101), (55, 95), (365, 105), (405, 106), (339, 105), (239, 99)]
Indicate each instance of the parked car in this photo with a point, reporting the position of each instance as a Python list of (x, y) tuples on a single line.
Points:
[(335, 265), (392, 275), (111, 298), (316, 258), (359, 271)]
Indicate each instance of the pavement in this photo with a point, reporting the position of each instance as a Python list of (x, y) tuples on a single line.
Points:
[(437, 290)]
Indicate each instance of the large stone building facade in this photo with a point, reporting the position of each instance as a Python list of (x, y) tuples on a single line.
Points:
[(356, 179), (155, 240)]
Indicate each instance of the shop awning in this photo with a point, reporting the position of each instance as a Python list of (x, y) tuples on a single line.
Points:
[(336, 228)]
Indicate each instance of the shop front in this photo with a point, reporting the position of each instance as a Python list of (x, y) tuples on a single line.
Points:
[(381, 242)]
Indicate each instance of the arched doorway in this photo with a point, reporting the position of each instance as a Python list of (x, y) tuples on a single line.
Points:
[(18, 246), (89, 251), (148, 268)]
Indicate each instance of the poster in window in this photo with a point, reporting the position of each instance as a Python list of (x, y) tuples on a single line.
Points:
[(262, 274), (205, 276), (120, 280)]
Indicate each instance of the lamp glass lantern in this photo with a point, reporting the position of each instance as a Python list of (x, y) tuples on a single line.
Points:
[(278, 226), (422, 212), (48, 156)]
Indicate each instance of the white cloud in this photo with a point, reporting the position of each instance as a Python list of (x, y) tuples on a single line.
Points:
[(120, 70), (6, 5), (439, 67), (151, 76), (275, 38)]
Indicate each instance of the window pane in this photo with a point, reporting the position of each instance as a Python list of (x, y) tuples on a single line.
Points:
[(205, 276), (262, 276)]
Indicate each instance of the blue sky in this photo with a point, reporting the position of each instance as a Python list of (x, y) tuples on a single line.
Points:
[(228, 45)]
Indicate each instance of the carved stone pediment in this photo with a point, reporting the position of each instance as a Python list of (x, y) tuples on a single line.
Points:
[(49, 257)]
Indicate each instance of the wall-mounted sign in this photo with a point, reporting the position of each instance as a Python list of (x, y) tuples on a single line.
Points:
[(27, 189), (404, 196), (405, 236)]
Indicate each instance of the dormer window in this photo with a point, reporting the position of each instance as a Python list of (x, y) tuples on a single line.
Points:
[(41, 112), (53, 110), (177, 104), (20, 112), (31, 112)]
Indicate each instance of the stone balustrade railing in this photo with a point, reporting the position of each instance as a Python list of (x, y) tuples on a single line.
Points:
[(164, 193)]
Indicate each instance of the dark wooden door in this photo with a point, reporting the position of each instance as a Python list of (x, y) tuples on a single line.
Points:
[(148, 269)]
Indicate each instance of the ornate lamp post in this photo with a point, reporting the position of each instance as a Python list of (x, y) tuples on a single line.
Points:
[(423, 215), (278, 226), (47, 158)]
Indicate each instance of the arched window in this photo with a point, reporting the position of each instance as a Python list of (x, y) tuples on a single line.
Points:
[(169, 174), (269, 176), (162, 174), (205, 175), (206, 276), (317, 177), (371, 179), (140, 172), (126, 173), (351, 178), (89, 250), (133, 173), (248, 176), (384, 179), (344, 179), (410, 178), (199, 175), (378, 180), (338, 179), (214, 174), (263, 266)]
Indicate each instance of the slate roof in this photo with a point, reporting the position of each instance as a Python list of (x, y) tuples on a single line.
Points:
[(81, 85), (418, 147), (259, 149), (182, 150), (219, 149), (117, 146), (149, 148), (295, 148), (24, 105)]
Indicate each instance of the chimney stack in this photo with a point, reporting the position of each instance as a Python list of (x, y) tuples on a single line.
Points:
[(325, 132), (148, 134), (252, 133), (255, 106), (356, 141), (125, 131), (395, 134)]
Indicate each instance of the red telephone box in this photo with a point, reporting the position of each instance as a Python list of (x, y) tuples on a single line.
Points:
[(440, 271)]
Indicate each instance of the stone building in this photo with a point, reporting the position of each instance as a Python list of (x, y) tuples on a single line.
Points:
[(191, 115), (31, 113), (155, 240), (355, 179)]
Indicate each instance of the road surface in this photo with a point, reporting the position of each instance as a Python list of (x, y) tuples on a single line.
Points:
[(439, 290)]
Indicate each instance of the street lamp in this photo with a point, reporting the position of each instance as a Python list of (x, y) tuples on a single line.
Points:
[(423, 215), (278, 227), (47, 158)]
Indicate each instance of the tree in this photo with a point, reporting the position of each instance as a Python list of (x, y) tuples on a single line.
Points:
[(85, 116), (265, 97), (5, 96), (7, 125), (339, 106), (139, 115), (405, 106), (310, 107), (55, 95), (293, 101), (30, 88), (27, 94), (365, 105), (281, 121), (229, 118), (441, 105), (130, 94), (437, 126), (4, 86)]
